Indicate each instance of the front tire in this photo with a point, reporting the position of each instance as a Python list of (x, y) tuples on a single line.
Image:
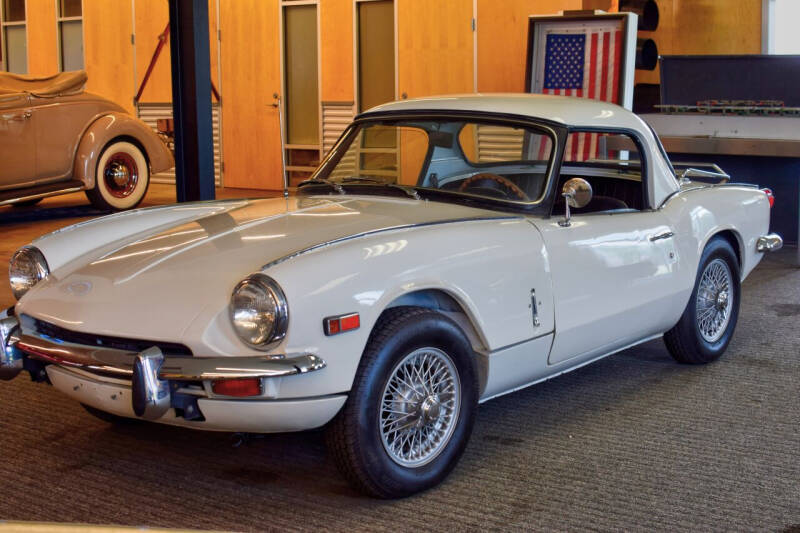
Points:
[(412, 406), (121, 178), (706, 327)]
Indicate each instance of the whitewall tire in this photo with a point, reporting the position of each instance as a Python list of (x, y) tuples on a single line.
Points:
[(121, 178)]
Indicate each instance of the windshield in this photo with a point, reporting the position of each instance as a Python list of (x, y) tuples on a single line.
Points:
[(496, 160)]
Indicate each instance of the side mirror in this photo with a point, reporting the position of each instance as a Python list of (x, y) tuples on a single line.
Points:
[(577, 193)]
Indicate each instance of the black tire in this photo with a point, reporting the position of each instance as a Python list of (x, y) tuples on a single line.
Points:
[(354, 437), (108, 417), (122, 177), (685, 342), (27, 203)]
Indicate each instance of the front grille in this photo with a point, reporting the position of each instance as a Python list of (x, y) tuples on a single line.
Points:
[(117, 343)]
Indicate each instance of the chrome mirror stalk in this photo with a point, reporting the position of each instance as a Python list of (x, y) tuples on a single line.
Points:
[(577, 192)]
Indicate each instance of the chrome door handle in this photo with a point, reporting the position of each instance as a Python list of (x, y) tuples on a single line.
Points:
[(16, 116), (661, 236)]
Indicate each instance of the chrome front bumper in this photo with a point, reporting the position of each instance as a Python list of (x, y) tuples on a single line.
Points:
[(769, 243), (149, 371)]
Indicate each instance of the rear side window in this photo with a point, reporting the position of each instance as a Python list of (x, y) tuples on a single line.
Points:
[(611, 163)]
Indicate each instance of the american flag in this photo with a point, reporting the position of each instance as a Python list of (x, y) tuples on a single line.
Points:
[(585, 65)]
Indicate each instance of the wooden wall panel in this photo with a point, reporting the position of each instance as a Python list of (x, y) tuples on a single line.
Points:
[(250, 131), (42, 37), (336, 61), (435, 47), (151, 18), (108, 52), (503, 40), (705, 27)]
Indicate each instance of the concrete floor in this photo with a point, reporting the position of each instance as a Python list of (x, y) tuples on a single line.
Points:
[(633, 442)]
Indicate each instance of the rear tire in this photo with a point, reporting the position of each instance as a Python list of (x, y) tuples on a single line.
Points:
[(706, 327), (410, 412), (121, 178)]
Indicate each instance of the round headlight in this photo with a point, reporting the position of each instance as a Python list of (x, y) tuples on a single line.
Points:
[(259, 312), (27, 268)]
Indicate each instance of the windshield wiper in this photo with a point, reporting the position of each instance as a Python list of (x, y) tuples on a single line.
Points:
[(408, 190), (323, 181)]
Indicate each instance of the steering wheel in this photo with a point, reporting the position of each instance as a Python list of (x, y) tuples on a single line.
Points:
[(495, 183)]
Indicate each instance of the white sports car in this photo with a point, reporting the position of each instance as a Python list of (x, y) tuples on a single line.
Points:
[(448, 250)]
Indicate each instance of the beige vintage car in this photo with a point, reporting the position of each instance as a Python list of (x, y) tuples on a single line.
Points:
[(55, 139)]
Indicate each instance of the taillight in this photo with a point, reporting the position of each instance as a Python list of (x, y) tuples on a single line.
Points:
[(237, 387), (770, 196)]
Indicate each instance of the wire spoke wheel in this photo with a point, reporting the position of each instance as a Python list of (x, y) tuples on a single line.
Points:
[(419, 407), (714, 300)]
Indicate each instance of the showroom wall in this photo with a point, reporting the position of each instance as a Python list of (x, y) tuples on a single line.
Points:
[(435, 51)]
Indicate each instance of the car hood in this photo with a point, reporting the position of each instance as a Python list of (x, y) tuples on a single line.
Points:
[(179, 265)]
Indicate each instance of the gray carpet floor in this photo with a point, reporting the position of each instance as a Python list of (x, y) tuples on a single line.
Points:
[(633, 442)]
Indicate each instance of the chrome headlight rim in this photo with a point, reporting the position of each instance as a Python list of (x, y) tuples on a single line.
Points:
[(36, 257), (281, 323)]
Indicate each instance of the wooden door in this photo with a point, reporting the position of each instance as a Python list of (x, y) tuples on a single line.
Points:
[(250, 64), (435, 47)]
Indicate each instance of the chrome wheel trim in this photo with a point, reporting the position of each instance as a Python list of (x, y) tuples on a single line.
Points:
[(121, 174), (714, 300), (419, 408)]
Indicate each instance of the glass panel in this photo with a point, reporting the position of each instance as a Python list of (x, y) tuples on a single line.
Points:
[(13, 10), (375, 53), (610, 162), (16, 50), (70, 8), (493, 160), (72, 45), (302, 100)]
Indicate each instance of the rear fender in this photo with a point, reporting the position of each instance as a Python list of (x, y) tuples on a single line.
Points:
[(112, 126)]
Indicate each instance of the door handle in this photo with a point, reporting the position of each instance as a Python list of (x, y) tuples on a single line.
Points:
[(17, 116), (661, 236)]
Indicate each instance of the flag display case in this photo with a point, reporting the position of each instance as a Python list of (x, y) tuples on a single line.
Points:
[(588, 55)]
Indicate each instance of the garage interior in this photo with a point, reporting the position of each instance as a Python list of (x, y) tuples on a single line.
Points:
[(632, 442)]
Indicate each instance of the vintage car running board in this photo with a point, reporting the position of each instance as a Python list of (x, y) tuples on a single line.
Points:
[(40, 191)]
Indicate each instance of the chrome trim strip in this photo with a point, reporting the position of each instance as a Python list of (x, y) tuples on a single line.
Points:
[(769, 243), (118, 363), (381, 230), (40, 195)]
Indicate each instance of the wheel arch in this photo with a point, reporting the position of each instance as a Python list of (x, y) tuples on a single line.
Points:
[(442, 301), (734, 239), (113, 127)]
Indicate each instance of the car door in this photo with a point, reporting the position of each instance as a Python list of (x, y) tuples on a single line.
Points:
[(614, 267), (59, 124), (17, 141)]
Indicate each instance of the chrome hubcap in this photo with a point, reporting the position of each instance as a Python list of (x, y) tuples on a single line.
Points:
[(714, 301), (419, 407), (121, 174)]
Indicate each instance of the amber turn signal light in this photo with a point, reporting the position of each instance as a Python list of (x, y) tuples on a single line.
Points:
[(237, 387), (339, 324)]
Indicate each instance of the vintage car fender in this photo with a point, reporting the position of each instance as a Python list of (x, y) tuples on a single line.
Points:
[(109, 127), (487, 267), (738, 213)]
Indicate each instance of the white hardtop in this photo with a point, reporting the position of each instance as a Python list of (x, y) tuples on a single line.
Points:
[(567, 110), (570, 111)]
